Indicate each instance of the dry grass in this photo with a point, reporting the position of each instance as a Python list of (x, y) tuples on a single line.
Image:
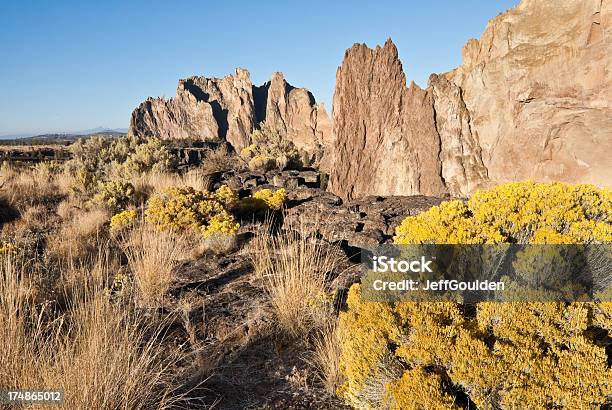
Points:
[(102, 355), (25, 187), (153, 255), (197, 179), (292, 269), (148, 183), (79, 237), (325, 357)]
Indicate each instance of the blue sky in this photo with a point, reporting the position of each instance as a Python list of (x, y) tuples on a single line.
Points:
[(71, 65)]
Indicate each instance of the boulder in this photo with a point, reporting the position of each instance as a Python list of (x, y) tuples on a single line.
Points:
[(361, 223)]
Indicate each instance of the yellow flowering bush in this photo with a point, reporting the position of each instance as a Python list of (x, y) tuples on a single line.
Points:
[(7, 248), (263, 201), (273, 199), (522, 212), (185, 208), (262, 163), (123, 220), (411, 355)]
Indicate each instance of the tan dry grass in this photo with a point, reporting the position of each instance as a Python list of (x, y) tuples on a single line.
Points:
[(197, 179), (148, 183), (325, 356), (25, 187), (79, 237), (102, 355), (292, 269), (153, 254)]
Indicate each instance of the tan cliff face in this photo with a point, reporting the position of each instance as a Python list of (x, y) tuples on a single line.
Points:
[(230, 108), (539, 90), (531, 100), (385, 141)]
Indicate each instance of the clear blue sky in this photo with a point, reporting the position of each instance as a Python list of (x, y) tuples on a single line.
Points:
[(71, 65)]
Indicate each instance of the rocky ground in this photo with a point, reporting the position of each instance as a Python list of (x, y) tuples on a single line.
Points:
[(252, 367)]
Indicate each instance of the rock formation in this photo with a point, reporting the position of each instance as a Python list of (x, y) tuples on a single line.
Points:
[(538, 87), (294, 113), (531, 100), (384, 132), (230, 108)]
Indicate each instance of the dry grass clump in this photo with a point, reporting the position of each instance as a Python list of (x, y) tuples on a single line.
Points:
[(196, 178), (325, 357), (79, 237), (293, 270), (218, 161), (153, 254), (102, 355), (24, 187), (148, 183)]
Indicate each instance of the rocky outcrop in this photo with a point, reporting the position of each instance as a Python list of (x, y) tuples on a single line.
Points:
[(204, 109), (310, 209), (538, 87), (531, 100), (385, 140), (230, 108), (460, 155), (294, 113)]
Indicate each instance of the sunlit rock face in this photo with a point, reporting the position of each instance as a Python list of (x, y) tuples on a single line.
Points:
[(230, 108), (531, 100)]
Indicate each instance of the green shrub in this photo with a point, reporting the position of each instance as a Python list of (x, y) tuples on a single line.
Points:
[(415, 355), (115, 195), (150, 155), (270, 150), (100, 159)]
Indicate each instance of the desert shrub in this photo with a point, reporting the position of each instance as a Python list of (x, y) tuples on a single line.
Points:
[(524, 212), (270, 150), (217, 161), (100, 159), (115, 195), (262, 201), (185, 208), (273, 199), (262, 163), (148, 155), (123, 220), (504, 355)]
